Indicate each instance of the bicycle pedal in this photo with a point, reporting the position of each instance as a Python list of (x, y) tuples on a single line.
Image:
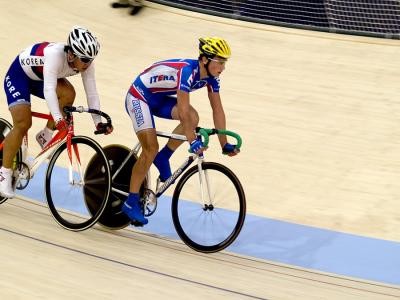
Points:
[(119, 5), (116, 203), (137, 223)]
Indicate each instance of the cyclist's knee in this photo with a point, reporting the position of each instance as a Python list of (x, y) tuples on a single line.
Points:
[(69, 98), (152, 151), (22, 119), (21, 126), (65, 92), (194, 116), (148, 140)]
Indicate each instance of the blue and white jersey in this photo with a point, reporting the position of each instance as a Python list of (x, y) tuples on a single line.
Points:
[(167, 77), (153, 91)]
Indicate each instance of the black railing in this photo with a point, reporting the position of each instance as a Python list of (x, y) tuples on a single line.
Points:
[(359, 17)]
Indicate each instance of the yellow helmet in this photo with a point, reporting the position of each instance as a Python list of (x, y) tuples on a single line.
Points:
[(214, 46)]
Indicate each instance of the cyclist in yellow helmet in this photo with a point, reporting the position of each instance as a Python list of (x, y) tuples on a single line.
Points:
[(162, 90)]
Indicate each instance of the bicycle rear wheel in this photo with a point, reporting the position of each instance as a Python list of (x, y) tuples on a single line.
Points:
[(113, 217), (68, 181), (210, 218), (121, 162), (5, 128)]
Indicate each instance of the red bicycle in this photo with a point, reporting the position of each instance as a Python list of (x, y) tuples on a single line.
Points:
[(67, 180)]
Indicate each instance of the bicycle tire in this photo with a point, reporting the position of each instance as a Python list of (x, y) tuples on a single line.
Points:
[(5, 128), (237, 221), (97, 183), (113, 218)]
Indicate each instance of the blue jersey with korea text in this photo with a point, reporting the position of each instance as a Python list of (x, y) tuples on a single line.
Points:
[(165, 78)]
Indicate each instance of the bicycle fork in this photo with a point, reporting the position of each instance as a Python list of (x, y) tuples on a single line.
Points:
[(73, 155), (203, 180)]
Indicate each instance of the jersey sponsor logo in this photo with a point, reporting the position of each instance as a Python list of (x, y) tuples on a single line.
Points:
[(185, 87), (137, 111), (199, 84), (161, 76), (156, 78), (32, 61), (140, 90), (169, 180), (190, 79)]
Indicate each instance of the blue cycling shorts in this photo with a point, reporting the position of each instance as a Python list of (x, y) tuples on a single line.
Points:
[(141, 109), (19, 87)]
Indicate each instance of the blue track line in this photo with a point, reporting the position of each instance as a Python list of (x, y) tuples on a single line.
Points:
[(304, 246)]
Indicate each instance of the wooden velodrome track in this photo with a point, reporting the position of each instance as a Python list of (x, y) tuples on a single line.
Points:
[(319, 115)]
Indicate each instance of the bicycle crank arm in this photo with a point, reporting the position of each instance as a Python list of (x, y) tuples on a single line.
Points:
[(120, 192)]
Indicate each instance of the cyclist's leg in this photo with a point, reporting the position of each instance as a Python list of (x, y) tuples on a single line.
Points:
[(131, 207), (163, 110), (143, 124), (144, 127), (149, 143), (22, 121), (16, 87)]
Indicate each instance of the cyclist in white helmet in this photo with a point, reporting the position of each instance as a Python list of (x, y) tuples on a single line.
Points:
[(41, 70)]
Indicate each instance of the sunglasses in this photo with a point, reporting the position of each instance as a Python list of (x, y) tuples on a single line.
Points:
[(221, 62), (85, 60)]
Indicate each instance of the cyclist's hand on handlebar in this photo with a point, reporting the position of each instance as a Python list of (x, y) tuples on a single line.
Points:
[(230, 149), (61, 125), (103, 128), (197, 146)]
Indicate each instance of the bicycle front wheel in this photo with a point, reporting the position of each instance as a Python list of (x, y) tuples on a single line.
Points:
[(209, 216), (71, 175)]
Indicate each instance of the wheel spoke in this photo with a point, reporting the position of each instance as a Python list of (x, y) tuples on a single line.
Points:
[(212, 226), (78, 206)]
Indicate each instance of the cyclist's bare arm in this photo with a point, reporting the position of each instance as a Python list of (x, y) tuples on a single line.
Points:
[(183, 103), (218, 115)]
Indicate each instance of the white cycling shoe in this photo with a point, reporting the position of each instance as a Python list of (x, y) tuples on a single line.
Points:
[(6, 189)]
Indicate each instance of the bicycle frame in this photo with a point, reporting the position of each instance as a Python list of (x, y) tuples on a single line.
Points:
[(24, 170), (160, 189), (46, 152)]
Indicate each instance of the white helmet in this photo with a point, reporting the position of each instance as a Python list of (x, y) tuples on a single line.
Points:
[(83, 43)]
